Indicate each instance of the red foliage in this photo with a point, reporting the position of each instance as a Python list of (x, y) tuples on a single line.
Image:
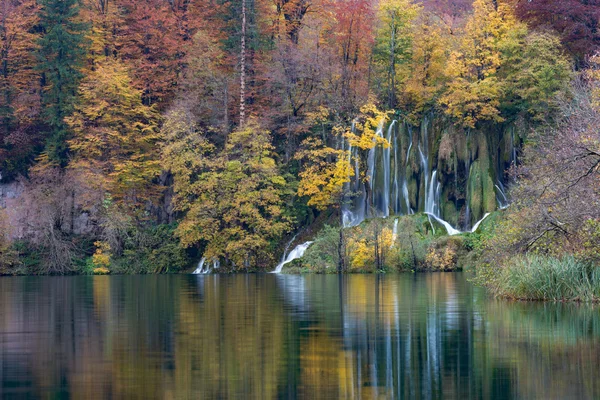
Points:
[(154, 36), (576, 21)]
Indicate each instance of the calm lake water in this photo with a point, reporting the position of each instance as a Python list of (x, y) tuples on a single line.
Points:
[(424, 336)]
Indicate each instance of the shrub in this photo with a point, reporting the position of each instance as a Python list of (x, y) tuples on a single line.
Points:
[(535, 277)]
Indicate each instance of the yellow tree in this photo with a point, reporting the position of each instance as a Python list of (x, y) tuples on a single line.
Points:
[(115, 135), (233, 201), (427, 77), (474, 90), (328, 170)]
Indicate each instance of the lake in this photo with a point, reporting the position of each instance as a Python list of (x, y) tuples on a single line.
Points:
[(264, 336)]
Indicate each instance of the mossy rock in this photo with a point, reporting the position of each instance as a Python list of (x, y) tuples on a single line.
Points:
[(482, 196)]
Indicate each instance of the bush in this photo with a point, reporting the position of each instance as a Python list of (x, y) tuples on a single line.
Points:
[(323, 255), (153, 250), (534, 277)]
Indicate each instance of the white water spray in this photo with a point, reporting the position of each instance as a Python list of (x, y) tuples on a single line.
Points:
[(298, 252), (204, 268)]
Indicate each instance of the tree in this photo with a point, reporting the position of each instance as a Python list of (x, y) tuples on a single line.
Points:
[(577, 22), (233, 200), (293, 11), (535, 73), (19, 94), (393, 42), (427, 78), (328, 170), (115, 136), (350, 37), (61, 49), (475, 90), (152, 42), (558, 187)]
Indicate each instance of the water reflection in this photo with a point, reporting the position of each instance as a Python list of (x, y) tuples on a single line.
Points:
[(423, 336)]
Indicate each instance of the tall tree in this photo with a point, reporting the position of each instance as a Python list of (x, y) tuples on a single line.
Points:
[(62, 47), (233, 201), (243, 66), (576, 21), (393, 42), (115, 136), (19, 92), (475, 90)]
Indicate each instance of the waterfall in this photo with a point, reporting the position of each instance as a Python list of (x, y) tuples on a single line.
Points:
[(205, 268), (387, 164), (200, 269), (287, 247), (403, 185), (479, 223), (501, 198), (298, 252), (451, 231)]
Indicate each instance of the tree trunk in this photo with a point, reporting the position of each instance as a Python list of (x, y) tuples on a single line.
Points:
[(243, 68)]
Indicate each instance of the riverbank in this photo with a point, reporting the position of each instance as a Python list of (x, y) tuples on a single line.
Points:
[(397, 244)]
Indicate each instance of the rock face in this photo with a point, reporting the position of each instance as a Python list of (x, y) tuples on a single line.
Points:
[(455, 174), (23, 216), (10, 194)]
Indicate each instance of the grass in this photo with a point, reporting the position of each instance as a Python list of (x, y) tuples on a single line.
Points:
[(535, 277)]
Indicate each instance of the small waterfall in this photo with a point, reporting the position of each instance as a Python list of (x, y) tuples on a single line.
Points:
[(501, 198), (387, 165), (200, 269), (406, 199), (432, 195), (451, 231), (287, 247), (298, 252), (479, 223), (394, 233), (205, 268)]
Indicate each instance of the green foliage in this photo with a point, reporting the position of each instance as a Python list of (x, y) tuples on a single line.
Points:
[(61, 50), (154, 250), (534, 277), (393, 44), (322, 255), (536, 73)]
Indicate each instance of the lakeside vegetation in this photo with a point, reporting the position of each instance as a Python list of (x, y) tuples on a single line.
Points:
[(140, 137)]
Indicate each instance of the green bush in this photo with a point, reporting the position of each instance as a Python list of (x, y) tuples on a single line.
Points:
[(154, 250), (535, 277), (322, 255)]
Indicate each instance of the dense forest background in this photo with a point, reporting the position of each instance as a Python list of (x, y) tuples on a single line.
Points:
[(136, 136)]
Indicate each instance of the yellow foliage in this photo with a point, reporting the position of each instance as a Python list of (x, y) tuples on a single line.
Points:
[(115, 135), (426, 81), (474, 88), (366, 126), (101, 257), (442, 259), (101, 271)]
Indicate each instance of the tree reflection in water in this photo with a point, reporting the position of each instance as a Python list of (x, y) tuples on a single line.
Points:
[(266, 336)]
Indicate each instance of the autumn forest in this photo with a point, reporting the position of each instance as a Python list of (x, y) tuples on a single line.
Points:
[(385, 135)]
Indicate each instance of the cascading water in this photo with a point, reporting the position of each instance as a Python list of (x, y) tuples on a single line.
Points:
[(205, 268), (403, 181), (298, 252), (479, 222), (200, 269)]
